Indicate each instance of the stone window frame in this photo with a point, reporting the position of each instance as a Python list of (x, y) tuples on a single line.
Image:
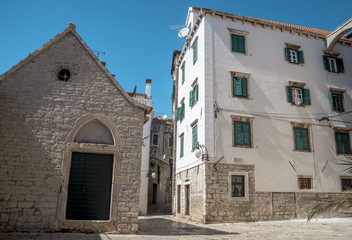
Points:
[(242, 33), (294, 48), (71, 68), (246, 186), (301, 125), (344, 178), (337, 91), (157, 140), (241, 75), (343, 130), (241, 119), (310, 177), (298, 85)]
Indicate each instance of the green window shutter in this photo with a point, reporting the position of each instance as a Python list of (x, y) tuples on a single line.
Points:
[(194, 137), (342, 143), (238, 133), (305, 139), (306, 96), (325, 62), (196, 93), (244, 87), (287, 54), (191, 94), (237, 86), (300, 56), (246, 133), (183, 74), (289, 94), (183, 111), (173, 93), (339, 64), (331, 101), (195, 52), (238, 43), (298, 139), (179, 113), (340, 103), (181, 147), (189, 28)]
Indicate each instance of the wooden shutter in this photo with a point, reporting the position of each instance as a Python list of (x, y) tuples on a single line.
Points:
[(195, 52), (179, 113), (194, 137), (340, 103), (287, 54), (181, 147), (173, 93), (306, 96), (246, 133), (238, 43), (191, 94), (325, 62), (300, 56), (183, 74), (244, 87), (183, 111), (339, 64), (237, 86), (305, 138), (331, 101), (238, 133), (195, 93), (289, 94), (298, 139)]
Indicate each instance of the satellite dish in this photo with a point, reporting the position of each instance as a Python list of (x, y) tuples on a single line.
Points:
[(162, 156), (164, 117), (183, 32)]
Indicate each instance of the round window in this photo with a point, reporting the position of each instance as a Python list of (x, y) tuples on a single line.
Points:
[(64, 75)]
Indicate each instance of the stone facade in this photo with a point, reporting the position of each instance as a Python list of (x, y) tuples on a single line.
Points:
[(39, 119)]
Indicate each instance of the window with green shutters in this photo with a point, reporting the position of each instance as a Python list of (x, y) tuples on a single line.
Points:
[(294, 56), (301, 139), (173, 93), (342, 142), (195, 52), (298, 96), (238, 43), (194, 137), (193, 95), (240, 87), (189, 28), (336, 101), (181, 112), (242, 133), (183, 73), (181, 146), (333, 64)]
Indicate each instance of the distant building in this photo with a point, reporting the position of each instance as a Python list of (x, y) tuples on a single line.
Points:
[(262, 115), (161, 162), (70, 143)]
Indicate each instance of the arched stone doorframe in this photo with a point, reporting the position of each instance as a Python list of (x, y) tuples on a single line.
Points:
[(335, 35), (72, 146)]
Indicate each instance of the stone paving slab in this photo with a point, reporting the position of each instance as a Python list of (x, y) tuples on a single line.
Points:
[(168, 227)]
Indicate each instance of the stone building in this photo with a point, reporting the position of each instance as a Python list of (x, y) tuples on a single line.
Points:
[(70, 143), (262, 115), (161, 162)]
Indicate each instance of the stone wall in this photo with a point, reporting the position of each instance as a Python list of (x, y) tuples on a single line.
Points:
[(37, 114)]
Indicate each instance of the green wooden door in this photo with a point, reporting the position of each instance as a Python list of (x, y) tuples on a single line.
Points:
[(89, 190)]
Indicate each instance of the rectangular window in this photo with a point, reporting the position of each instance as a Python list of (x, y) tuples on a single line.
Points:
[(242, 133), (305, 183), (342, 142), (195, 52), (189, 28), (240, 87), (181, 112), (181, 146), (238, 43), (298, 95), (294, 56), (237, 186), (346, 183), (301, 136), (155, 139), (193, 95), (183, 73), (333, 64), (336, 101), (194, 137)]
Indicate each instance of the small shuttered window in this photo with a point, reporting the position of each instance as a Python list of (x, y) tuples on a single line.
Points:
[(194, 137), (193, 95), (183, 73), (342, 142), (238, 43), (336, 101), (240, 87), (181, 146), (298, 96), (333, 64), (294, 56), (301, 139), (181, 112), (242, 133), (195, 52)]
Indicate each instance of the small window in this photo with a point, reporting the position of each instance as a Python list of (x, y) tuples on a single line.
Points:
[(333, 64), (155, 139), (238, 43), (193, 95), (195, 51), (189, 28), (342, 139), (181, 146), (240, 88), (305, 183), (336, 101), (183, 73), (298, 95), (301, 138), (242, 136), (346, 183), (237, 186), (64, 75), (294, 56), (181, 111), (194, 137)]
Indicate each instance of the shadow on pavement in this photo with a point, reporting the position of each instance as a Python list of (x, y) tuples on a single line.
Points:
[(168, 227)]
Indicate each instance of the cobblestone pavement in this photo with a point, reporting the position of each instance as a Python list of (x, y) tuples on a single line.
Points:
[(169, 227)]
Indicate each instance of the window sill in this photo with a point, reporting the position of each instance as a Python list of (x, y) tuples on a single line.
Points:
[(300, 150), (245, 54), (302, 105), (241, 199), (242, 146), (241, 97), (344, 154)]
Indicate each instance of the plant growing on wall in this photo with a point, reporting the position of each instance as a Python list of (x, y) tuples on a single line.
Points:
[(342, 201)]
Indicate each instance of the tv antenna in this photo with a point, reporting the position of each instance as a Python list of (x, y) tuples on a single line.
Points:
[(98, 53)]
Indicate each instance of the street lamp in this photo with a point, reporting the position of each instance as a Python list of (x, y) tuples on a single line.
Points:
[(201, 151)]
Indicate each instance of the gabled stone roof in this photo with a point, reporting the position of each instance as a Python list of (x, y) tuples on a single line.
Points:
[(71, 28)]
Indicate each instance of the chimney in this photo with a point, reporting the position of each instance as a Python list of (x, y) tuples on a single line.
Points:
[(148, 87)]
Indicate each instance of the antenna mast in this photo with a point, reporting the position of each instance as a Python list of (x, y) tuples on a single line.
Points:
[(98, 52)]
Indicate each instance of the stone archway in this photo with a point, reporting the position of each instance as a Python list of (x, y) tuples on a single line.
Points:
[(335, 35)]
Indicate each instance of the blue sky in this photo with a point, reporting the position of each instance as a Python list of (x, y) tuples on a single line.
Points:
[(135, 34)]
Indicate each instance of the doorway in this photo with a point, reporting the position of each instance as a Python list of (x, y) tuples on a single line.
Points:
[(155, 191), (187, 199)]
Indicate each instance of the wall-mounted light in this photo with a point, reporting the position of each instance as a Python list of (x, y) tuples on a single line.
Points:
[(201, 151)]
